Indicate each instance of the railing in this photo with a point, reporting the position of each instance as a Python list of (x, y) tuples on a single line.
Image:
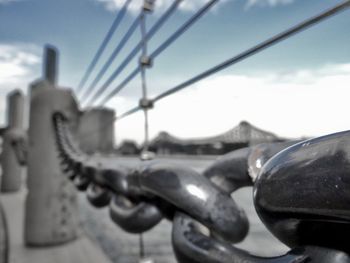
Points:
[(146, 60), (300, 194), (300, 188), (191, 200)]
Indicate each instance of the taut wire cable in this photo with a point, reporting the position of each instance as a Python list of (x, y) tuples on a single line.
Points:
[(182, 29), (248, 53), (104, 43), (160, 22), (112, 57)]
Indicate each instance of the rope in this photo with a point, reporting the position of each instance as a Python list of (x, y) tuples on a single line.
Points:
[(103, 45)]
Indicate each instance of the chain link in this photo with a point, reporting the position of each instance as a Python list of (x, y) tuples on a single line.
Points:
[(206, 219)]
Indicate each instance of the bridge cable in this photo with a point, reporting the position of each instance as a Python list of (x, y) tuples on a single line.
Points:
[(182, 29), (112, 57), (160, 22), (248, 53), (104, 43)]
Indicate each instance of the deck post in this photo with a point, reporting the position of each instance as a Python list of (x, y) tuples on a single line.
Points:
[(50, 69), (11, 170), (51, 214)]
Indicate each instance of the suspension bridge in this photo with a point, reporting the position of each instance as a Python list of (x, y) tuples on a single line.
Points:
[(300, 188)]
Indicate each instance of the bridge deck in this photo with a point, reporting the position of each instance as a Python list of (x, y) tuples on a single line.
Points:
[(80, 250)]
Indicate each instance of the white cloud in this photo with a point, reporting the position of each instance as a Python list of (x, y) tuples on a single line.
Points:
[(272, 3), (7, 1), (18, 67), (307, 102), (15, 63), (135, 6), (186, 5)]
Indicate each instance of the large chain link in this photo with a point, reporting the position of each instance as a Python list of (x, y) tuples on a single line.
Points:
[(206, 219)]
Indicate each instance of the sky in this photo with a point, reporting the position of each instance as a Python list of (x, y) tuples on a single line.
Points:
[(299, 87)]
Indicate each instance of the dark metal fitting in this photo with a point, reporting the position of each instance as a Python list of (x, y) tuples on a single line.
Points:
[(146, 103), (81, 183), (133, 217), (148, 5), (98, 196), (283, 188), (146, 61)]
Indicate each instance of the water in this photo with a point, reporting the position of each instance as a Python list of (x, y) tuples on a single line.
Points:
[(122, 247)]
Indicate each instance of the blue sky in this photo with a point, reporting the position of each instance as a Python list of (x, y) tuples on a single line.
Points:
[(77, 27)]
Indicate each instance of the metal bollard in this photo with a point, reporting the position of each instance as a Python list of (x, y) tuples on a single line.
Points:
[(51, 214), (11, 169), (96, 131)]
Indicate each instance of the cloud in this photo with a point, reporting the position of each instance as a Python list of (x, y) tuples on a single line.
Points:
[(186, 6), (3, 2), (135, 6), (272, 3), (308, 102), (19, 65)]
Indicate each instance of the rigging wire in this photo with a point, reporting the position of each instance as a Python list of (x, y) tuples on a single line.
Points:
[(104, 43), (160, 22), (278, 38), (249, 52), (182, 29), (112, 57)]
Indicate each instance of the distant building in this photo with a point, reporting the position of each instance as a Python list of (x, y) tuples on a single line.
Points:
[(240, 136), (128, 147)]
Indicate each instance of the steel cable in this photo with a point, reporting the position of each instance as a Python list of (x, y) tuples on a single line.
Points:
[(160, 22), (248, 53), (112, 57), (182, 29), (103, 45)]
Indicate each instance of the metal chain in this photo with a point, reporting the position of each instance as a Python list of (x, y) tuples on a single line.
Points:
[(140, 198)]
